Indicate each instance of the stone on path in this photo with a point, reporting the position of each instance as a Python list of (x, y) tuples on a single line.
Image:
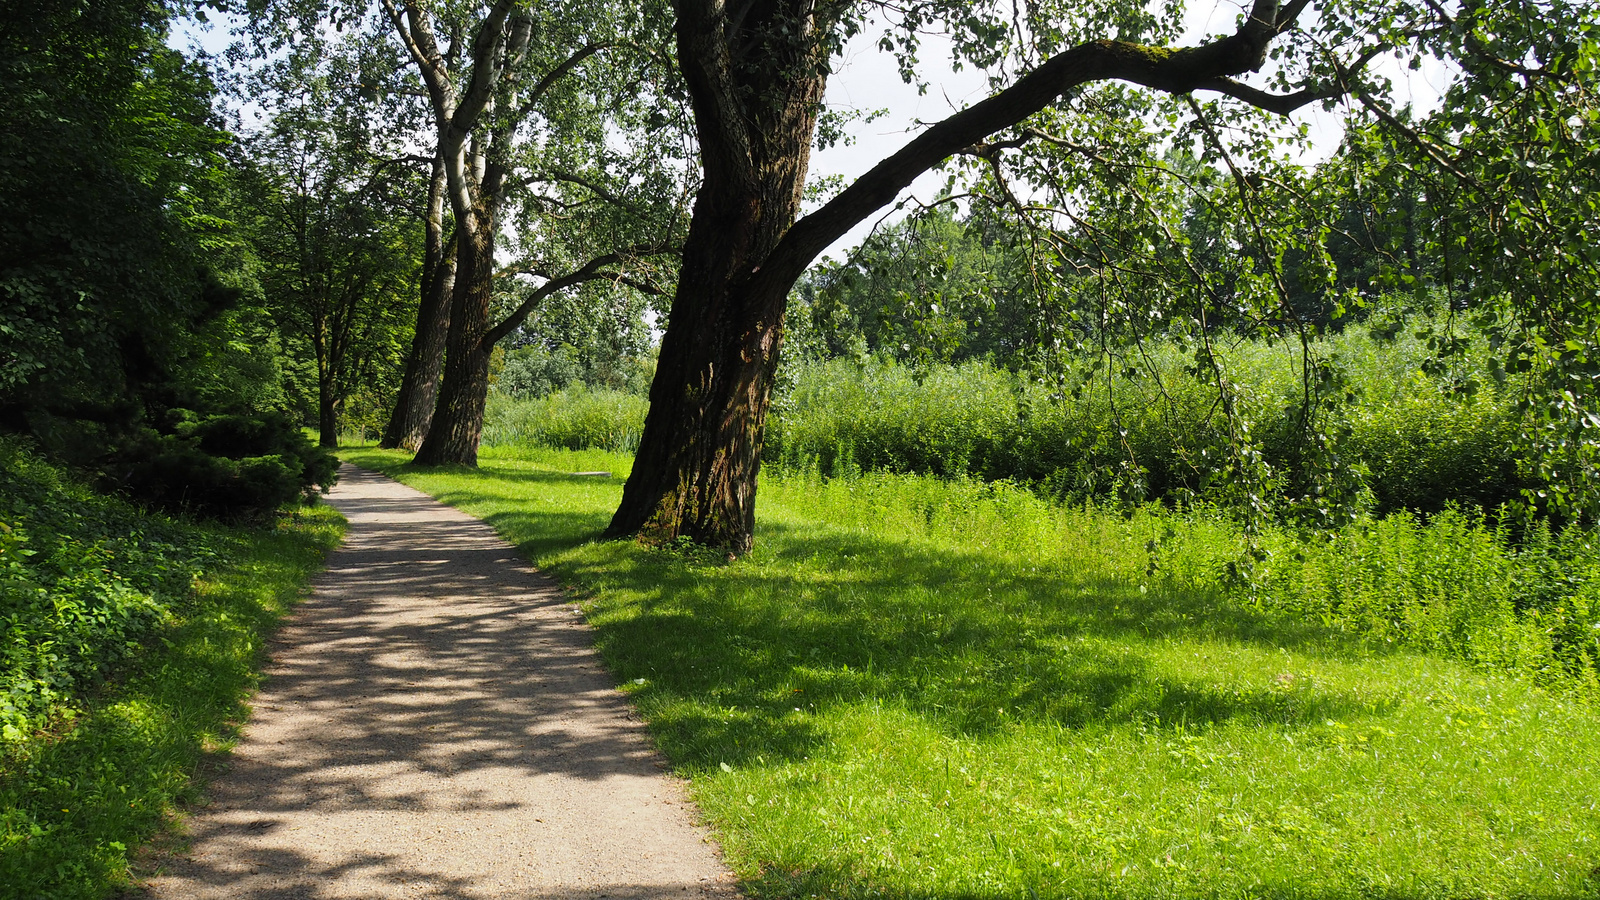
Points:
[(435, 724)]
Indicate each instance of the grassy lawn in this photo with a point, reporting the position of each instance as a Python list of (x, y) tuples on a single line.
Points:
[(923, 689), (76, 800)]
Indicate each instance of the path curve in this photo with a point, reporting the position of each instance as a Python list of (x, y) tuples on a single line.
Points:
[(436, 724)]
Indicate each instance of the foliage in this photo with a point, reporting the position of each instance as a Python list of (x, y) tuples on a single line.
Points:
[(132, 323), (86, 580), (929, 289), (574, 418), (1157, 431), (922, 687), (122, 671), (230, 466), (327, 203), (1453, 586), (596, 336), (105, 173)]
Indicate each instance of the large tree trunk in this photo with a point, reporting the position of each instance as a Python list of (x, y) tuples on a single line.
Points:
[(419, 388), (457, 424), (754, 80), (695, 473)]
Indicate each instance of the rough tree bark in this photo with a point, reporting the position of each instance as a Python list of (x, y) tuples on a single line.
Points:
[(474, 145), (457, 423), (697, 468), (754, 81), (419, 387)]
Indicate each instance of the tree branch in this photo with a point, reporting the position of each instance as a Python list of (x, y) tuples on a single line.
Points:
[(1179, 71), (593, 270), (556, 74)]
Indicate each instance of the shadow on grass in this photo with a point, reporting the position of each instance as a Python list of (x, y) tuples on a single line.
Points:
[(734, 658)]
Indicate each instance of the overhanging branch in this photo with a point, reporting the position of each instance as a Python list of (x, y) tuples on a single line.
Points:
[(594, 270), (1210, 66)]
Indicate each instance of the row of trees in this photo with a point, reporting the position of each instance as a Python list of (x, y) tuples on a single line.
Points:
[(484, 158)]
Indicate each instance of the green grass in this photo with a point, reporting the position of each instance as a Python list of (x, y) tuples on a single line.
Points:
[(78, 797), (915, 688)]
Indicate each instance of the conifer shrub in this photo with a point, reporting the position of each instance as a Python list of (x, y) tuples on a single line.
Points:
[(228, 466)]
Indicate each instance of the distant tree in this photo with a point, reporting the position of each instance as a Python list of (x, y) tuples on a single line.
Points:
[(933, 288), (596, 336), (339, 256), (562, 112)]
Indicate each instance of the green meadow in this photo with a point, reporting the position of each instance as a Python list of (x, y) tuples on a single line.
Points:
[(917, 687)]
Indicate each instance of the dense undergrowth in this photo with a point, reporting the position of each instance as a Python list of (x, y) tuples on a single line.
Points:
[(1407, 435), (1418, 560), (573, 418), (926, 687), (130, 641)]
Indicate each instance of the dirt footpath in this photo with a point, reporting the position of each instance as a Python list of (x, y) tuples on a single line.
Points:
[(436, 724)]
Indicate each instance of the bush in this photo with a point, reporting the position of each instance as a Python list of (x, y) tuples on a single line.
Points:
[(1453, 585), (83, 580), (1158, 431), (844, 416), (227, 466), (577, 418)]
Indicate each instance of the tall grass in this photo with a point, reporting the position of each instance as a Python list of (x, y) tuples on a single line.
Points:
[(1158, 425), (945, 688), (574, 418)]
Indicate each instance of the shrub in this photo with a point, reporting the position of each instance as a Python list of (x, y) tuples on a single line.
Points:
[(83, 580), (1452, 585), (1158, 430), (228, 465)]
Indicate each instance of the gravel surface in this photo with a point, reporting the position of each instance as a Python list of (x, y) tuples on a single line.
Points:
[(435, 723)]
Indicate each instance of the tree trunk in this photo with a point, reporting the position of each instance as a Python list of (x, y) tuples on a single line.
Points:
[(419, 388), (327, 416), (457, 423), (754, 81), (700, 453)]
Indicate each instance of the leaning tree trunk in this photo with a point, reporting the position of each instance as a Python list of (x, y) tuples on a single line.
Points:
[(695, 472), (419, 388), (457, 424), (754, 81)]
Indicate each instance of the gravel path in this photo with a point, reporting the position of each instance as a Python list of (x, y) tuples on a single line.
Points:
[(435, 724)]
